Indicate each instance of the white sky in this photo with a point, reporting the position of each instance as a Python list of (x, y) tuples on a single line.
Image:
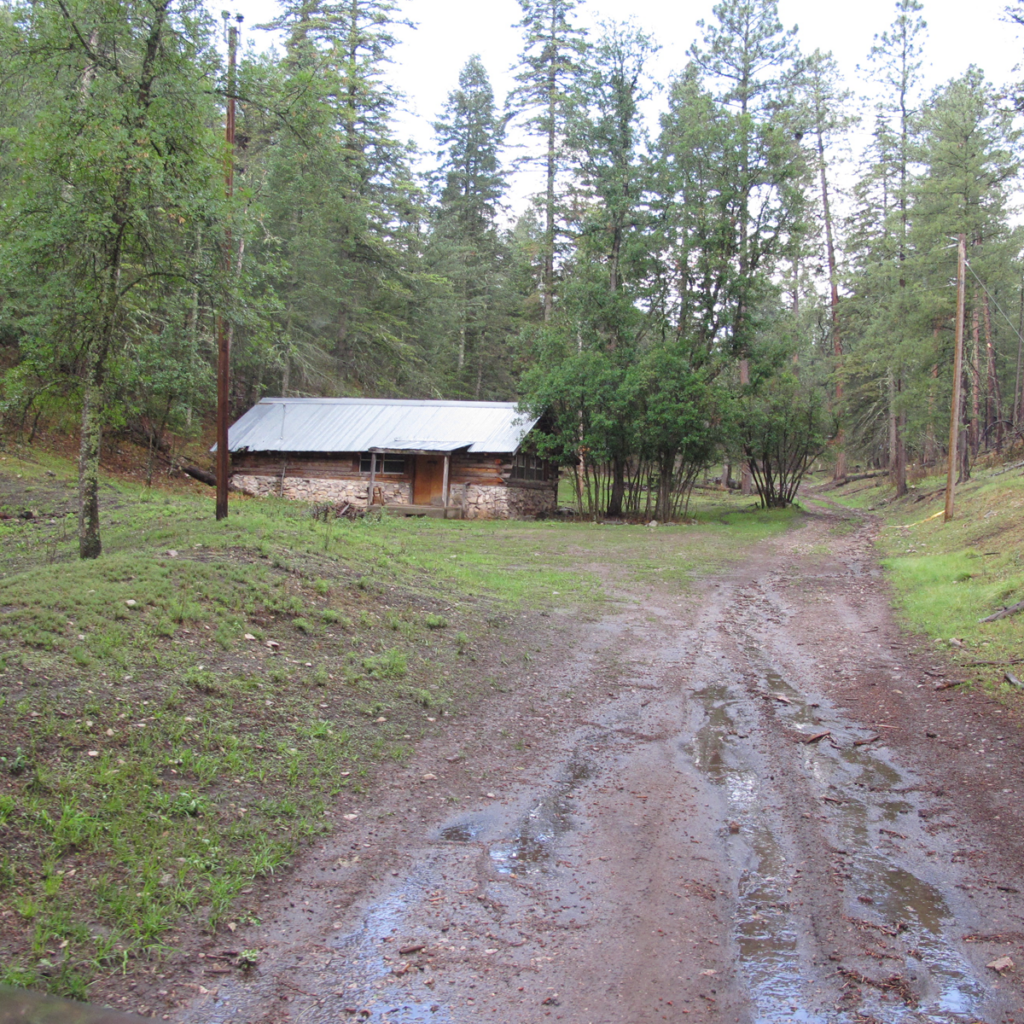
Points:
[(428, 60)]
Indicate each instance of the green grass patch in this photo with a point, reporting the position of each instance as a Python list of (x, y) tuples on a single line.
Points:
[(949, 575), (184, 713)]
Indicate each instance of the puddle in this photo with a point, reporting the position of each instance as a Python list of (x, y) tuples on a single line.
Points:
[(777, 969), (464, 832), (34, 1008), (532, 844), (765, 934)]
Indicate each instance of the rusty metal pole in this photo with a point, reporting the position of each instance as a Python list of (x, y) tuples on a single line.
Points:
[(223, 342), (958, 357)]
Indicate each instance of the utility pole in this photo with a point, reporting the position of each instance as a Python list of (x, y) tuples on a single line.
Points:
[(958, 358), (223, 336)]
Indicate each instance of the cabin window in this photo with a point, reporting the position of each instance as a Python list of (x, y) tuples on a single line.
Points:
[(527, 467), (385, 464)]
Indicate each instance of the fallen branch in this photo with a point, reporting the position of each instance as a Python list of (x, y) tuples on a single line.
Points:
[(894, 984), (817, 736), (892, 932), (1013, 680), (1004, 612)]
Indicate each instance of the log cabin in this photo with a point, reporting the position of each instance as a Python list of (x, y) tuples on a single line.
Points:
[(466, 459)]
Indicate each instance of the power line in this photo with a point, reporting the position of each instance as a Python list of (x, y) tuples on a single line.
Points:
[(994, 303)]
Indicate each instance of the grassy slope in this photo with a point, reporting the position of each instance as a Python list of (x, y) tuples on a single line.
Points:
[(949, 575), (184, 713)]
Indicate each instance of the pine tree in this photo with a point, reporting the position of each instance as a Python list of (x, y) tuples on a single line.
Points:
[(465, 246), (752, 61), (968, 146), (343, 208), (608, 211), (896, 60), (825, 102), (548, 66)]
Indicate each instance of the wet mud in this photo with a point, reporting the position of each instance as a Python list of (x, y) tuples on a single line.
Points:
[(751, 805)]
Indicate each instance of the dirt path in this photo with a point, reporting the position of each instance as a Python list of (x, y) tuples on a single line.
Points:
[(746, 803)]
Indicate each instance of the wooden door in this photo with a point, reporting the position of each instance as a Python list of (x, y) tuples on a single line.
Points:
[(428, 482)]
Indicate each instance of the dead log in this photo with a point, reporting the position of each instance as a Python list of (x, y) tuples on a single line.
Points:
[(1004, 612), (198, 474), (852, 477)]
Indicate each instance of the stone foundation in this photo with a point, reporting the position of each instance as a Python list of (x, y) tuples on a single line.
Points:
[(479, 501), (500, 502), (314, 489), (531, 501)]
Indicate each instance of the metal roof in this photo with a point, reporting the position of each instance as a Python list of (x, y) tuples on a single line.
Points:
[(361, 424)]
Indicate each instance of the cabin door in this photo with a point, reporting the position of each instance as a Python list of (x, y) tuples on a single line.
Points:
[(428, 481)]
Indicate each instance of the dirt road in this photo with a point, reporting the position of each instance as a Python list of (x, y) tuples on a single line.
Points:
[(742, 802)]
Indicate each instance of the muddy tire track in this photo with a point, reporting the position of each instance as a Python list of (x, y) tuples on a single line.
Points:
[(736, 816)]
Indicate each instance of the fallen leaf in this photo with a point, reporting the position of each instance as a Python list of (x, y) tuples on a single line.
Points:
[(1003, 964)]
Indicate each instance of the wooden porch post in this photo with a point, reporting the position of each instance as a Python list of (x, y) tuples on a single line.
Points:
[(444, 485), (369, 492)]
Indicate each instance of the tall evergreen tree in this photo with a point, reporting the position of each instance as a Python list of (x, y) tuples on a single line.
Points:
[(751, 62), (826, 104), (465, 246), (608, 212), (968, 147), (341, 200), (548, 67), (896, 60)]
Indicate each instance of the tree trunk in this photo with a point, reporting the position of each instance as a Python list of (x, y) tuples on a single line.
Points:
[(890, 452), (89, 545), (1017, 413), (975, 432), (618, 486), (833, 277), (663, 511), (745, 478), (930, 447), (993, 412), (964, 453), (549, 193), (900, 459)]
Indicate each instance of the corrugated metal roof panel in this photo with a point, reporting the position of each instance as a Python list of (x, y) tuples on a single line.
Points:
[(359, 424)]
